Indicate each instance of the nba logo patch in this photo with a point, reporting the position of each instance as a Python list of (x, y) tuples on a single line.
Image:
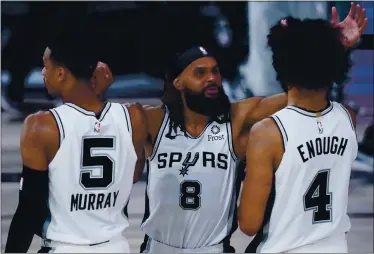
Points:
[(97, 127), (320, 127), (203, 50)]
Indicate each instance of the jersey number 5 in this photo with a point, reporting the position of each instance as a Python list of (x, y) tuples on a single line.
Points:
[(318, 198), (99, 160)]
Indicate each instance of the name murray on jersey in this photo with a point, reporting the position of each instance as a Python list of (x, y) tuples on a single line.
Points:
[(93, 201), (323, 145)]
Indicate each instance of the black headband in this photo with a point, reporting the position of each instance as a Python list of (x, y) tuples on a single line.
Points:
[(184, 59)]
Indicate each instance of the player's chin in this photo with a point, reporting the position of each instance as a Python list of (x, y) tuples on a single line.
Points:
[(50, 95), (211, 95)]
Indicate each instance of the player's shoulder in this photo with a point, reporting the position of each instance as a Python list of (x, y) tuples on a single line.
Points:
[(136, 110), (35, 125), (137, 115), (38, 119), (154, 113), (266, 132), (154, 109), (266, 127)]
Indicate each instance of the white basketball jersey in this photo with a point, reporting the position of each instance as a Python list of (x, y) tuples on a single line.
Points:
[(191, 186), (312, 180), (91, 175)]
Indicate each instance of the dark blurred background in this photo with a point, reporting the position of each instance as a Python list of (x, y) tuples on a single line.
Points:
[(132, 37), (136, 39)]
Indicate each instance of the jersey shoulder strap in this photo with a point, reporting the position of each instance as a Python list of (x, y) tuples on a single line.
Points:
[(61, 114), (281, 120), (342, 109), (123, 116)]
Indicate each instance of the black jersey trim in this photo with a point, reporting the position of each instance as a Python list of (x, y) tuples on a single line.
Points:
[(103, 113), (281, 129), (80, 110), (230, 141), (100, 116), (349, 117), (159, 135), (60, 126), (128, 119), (227, 247), (309, 113), (144, 246)]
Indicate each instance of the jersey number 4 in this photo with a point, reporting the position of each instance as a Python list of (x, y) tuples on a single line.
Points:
[(318, 198), (90, 161)]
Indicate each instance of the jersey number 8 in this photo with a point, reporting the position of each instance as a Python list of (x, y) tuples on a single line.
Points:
[(189, 198), (99, 160), (318, 198)]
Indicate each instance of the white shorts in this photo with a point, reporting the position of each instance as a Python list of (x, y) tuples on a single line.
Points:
[(155, 246), (334, 244), (118, 245)]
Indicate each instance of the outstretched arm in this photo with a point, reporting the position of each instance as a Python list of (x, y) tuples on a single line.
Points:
[(255, 109)]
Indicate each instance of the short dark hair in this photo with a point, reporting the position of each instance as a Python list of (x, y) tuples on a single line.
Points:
[(73, 49), (308, 54)]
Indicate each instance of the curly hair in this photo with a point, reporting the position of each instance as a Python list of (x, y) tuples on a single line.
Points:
[(172, 99), (308, 54)]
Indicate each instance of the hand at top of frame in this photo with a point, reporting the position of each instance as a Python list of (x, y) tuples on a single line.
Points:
[(353, 25), (102, 78)]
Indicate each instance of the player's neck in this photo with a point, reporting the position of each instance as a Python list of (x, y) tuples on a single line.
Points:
[(82, 96), (193, 121), (309, 100)]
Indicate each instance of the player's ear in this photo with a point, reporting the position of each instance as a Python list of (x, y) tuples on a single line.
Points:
[(61, 74), (178, 84)]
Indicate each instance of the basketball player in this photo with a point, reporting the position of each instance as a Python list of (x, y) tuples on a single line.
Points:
[(78, 163), (303, 153), (196, 139)]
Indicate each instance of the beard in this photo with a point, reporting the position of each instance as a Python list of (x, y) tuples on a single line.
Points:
[(208, 106)]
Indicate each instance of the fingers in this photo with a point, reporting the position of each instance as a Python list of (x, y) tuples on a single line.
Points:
[(103, 67), (361, 17), (334, 16), (362, 28), (352, 11), (358, 13)]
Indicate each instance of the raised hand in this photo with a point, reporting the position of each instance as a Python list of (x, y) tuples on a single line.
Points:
[(352, 26), (102, 78)]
